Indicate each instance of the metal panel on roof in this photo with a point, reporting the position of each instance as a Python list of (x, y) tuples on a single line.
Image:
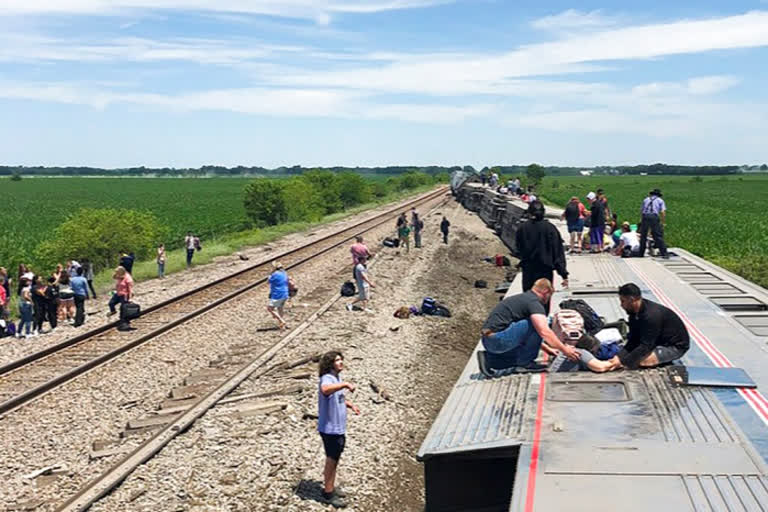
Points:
[(479, 414)]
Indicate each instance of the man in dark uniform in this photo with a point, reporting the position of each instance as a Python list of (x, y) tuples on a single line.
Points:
[(656, 334), (540, 248), (654, 215)]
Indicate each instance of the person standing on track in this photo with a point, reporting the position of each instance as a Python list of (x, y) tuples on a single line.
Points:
[(332, 422), (123, 289), (540, 248), (278, 293), (364, 286), (161, 261), (654, 218), (80, 288), (403, 233), (597, 223), (359, 251), (417, 224)]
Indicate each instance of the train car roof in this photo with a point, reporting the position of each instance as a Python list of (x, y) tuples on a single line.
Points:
[(630, 440)]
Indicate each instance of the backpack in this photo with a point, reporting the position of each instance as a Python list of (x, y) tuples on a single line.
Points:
[(568, 325), (129, 311), (572, 212), (420, 224), (10, 329), (391, 242), (430, 306), (348, 289), (608, 350), (505, 261), (592, 321), (481, 284)]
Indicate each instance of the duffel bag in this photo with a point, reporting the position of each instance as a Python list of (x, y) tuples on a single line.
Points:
[(129, 311)]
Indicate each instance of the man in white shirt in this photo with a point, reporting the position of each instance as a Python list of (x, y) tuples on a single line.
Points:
[(629, 243)]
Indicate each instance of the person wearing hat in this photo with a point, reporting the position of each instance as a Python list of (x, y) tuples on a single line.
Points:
[(654, 216), (278, 293)]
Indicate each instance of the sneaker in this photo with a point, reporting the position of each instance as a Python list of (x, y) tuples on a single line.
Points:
[(368, 310), (110, 313), (333, 500), (338, 491), (349, 307)]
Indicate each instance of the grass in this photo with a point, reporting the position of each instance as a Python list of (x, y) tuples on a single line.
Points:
[(722, 219)]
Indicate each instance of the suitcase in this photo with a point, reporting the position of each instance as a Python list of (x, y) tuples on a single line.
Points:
[(129, 311)]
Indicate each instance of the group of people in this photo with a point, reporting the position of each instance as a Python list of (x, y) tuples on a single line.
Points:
[(416, 225), (58, 297), (605, 234)]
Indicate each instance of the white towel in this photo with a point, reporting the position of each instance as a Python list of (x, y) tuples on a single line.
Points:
[(609, 335)]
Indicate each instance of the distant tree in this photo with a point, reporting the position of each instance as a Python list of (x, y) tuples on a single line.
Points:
[(327, 184), (16, 176), (353, 189), (265, 203), (764, 167), (535, 173), (99, 234)]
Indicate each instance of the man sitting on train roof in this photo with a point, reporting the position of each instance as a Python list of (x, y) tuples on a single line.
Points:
[(514, 331), (656, 334)]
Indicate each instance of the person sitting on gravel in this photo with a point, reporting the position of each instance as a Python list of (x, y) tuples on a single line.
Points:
[(332, 422), (513, 333), (364, 286), (278, 293), (123, 294)]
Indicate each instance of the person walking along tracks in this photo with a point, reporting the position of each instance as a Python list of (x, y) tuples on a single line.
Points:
[(445, 225), (332, 422), (278, 294)]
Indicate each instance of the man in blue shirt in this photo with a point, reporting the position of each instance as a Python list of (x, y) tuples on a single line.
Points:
[(654, 215), (79, 286), (332, 421), (278, 293)]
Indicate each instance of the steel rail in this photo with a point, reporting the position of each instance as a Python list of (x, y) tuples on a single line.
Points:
[(112, 477), (32, 393)]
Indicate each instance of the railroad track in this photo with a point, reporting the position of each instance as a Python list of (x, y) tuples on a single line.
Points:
[(28, 378), (255, 368)]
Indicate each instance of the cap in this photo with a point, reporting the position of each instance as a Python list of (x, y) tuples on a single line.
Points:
[(591, 196)]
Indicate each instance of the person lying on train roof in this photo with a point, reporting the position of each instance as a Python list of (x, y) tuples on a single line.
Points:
[(513, 333), (657, 335)]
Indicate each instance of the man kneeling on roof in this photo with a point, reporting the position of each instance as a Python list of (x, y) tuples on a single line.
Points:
[(656, 334), (515, 329)]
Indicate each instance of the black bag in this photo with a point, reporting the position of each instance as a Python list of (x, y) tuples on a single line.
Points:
[(348, 289), (506, 261), (572, 212), (430, 306), (129, 311), (592, 321), (481, 284), (391, 242)]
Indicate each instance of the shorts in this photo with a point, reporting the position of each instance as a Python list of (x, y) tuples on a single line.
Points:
[(668, 354), (277, 303), (334, 445), (576, 227), (363, 291)]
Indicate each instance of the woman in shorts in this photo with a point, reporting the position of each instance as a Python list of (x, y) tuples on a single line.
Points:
[(278, 293), (332, 422)]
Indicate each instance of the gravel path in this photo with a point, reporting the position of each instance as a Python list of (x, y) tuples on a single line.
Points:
[(237, 462), (61, 427)]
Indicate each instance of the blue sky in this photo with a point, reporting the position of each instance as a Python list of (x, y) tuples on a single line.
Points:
[(118, 83)]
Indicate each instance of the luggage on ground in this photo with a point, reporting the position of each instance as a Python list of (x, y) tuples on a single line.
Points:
[(481, 284), (430, 306), (592, 321), (129, 311), (403, 312), (568, 325), (391, 242), (348, 289)]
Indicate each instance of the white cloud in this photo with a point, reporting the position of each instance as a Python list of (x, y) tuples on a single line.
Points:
[(712, 84), (573, 19), (318, 10)]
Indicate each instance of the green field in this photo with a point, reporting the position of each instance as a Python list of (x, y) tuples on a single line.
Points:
[(722, 219), (33, 207)]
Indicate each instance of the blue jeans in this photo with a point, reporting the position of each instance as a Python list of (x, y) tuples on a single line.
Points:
[(160, 269), (26, 317), (517, 345), (114, 301)]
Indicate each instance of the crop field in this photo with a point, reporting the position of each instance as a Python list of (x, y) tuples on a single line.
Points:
[(33, 207), (722, 219)]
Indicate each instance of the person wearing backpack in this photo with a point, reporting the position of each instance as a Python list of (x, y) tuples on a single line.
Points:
[(540, 249), (514, 331), (574, 215)]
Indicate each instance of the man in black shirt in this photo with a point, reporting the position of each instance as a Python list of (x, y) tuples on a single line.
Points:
[(540, 249), (656, 334), (513, 332)]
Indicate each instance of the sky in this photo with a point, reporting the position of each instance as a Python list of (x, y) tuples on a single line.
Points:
[(185, 83)]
